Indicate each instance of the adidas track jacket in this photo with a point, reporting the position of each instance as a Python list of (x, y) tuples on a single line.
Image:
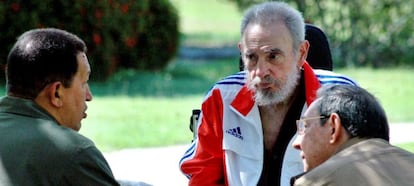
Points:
[(228, 149)]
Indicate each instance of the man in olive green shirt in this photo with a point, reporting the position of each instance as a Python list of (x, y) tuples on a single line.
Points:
[(47, 89)]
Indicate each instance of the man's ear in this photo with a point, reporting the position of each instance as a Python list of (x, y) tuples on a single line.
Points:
[(303, 52), (239, 45), (338, 133), (55, 92)]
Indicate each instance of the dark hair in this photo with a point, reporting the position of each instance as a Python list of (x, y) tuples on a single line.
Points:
[(40, 57), (360, 112)]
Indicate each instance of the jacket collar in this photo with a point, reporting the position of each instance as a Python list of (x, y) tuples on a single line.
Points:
[(25, 107)]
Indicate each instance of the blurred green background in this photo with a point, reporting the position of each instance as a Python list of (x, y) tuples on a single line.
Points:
[(141, 108)]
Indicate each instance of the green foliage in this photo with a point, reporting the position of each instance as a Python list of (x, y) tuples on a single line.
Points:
[(377, 33), (139, 34), (243, 4)]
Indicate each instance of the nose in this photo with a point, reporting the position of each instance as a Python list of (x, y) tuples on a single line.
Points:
[(262, 68), (296, 143), (88, 94)]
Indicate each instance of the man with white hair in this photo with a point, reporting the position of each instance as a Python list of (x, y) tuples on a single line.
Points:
[(247, 120)]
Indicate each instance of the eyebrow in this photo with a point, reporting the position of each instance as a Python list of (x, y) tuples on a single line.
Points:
[(274, 50)]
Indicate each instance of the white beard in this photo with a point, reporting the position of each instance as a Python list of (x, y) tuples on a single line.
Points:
[(267, 97)]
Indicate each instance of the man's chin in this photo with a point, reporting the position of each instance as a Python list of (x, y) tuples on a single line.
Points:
[(77, 127), (268, 98)]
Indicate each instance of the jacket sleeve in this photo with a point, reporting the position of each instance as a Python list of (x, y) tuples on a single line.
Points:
[(204, 163)]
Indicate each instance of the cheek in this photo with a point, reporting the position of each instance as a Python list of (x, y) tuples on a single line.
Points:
[(311, 152), (78, 98), (281, 72), (315, 149), (81, 92), (251, 74), (305, 144), (311, 145)]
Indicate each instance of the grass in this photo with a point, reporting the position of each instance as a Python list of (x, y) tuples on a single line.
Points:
[(121, 122), (141, 109), (393, 88), (407, 146), (208, 22)]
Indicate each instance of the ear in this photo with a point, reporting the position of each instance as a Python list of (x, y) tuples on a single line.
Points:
[(55, 94), (338, 133), (303, 52)]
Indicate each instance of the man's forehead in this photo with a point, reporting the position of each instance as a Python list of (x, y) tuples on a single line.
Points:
[(266, 37), (83, 62), (313, 107)]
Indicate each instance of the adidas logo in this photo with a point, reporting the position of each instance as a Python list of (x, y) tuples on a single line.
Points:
[(235, 132)]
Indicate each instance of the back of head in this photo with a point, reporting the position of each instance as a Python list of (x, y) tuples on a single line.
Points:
[(275, 12), (40, 57), (360, 113)]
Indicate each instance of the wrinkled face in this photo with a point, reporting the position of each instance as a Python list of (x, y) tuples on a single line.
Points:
[(75, 97), (314, 143), (272, 65)]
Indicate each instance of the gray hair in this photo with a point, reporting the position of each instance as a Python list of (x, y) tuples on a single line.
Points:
[(360, 112), (272, 12)]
